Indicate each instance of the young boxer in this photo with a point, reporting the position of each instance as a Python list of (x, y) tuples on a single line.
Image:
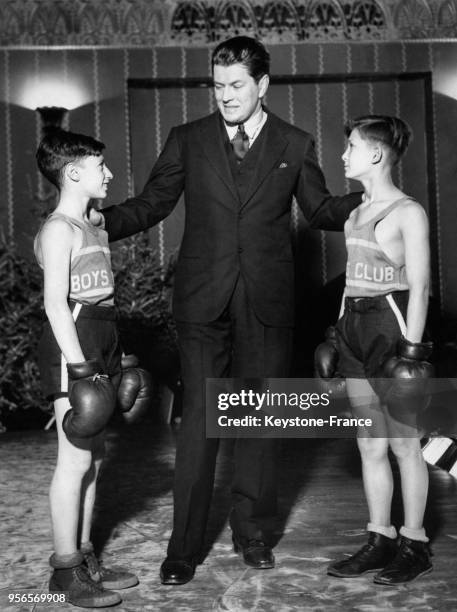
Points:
[(79, 359), (379, 337)]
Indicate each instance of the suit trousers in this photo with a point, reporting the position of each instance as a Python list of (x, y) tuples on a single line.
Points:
[(236, 344)]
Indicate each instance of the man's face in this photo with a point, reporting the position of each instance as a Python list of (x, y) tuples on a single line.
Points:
[(94, 176), (238, 94)]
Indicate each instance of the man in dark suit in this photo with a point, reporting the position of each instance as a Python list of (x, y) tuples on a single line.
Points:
[(233, 294)]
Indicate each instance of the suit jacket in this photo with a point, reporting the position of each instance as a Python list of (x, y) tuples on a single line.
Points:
[(227, 234)]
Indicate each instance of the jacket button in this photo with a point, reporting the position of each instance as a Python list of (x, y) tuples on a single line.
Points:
[(240, 249)]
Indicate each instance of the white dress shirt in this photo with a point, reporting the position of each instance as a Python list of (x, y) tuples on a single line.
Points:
[(252, 126)]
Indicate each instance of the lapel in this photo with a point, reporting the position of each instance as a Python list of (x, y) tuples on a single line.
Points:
[(212, 142), (274, 144)]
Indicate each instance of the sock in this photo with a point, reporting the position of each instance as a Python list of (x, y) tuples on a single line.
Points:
[(86, 547), (414, 534), (388, 531), (66, 561)]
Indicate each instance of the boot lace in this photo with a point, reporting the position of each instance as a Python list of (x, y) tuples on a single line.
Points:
[(83, 576), (93, 566)]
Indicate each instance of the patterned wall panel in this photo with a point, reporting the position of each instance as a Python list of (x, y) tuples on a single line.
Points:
[(196, 22)]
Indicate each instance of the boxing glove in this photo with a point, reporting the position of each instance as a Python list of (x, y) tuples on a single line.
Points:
[(409, 373), (92, 398), (135, 390), (326, 363)]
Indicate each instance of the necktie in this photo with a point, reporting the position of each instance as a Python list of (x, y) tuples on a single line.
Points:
[(240, 143)]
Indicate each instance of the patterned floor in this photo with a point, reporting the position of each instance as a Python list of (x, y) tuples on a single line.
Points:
[(322, 508)]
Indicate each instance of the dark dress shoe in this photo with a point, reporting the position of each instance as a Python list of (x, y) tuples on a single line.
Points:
[(177, 571), (256, 553), (412, 561), (375, 555)]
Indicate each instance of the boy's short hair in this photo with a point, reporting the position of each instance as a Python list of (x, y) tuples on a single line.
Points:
[(59, 147), (243, 50), (390, 131)]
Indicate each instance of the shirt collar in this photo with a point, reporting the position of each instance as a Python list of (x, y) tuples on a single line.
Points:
[(252, 126)]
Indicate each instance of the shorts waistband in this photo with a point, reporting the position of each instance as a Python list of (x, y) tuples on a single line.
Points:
[(92, 311), (378, 302)]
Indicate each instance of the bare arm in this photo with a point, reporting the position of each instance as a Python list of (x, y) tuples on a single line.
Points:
[(56, 242), (415, 233)]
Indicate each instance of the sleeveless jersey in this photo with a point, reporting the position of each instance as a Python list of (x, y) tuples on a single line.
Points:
[(91, 277), (369, 271)]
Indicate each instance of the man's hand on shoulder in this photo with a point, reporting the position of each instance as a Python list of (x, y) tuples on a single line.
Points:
[(96, 218)]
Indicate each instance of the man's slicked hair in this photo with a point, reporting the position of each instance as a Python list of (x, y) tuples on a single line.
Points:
[(59, 148), (390, 131), (243, 50)]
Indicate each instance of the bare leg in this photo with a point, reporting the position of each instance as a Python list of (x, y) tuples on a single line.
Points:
[(414, 479), (65, 490), (376, 469), (380, 548), (89, 486)]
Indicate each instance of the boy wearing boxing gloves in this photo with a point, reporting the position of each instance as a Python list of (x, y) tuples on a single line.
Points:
[(381, 353), (79, 360)]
